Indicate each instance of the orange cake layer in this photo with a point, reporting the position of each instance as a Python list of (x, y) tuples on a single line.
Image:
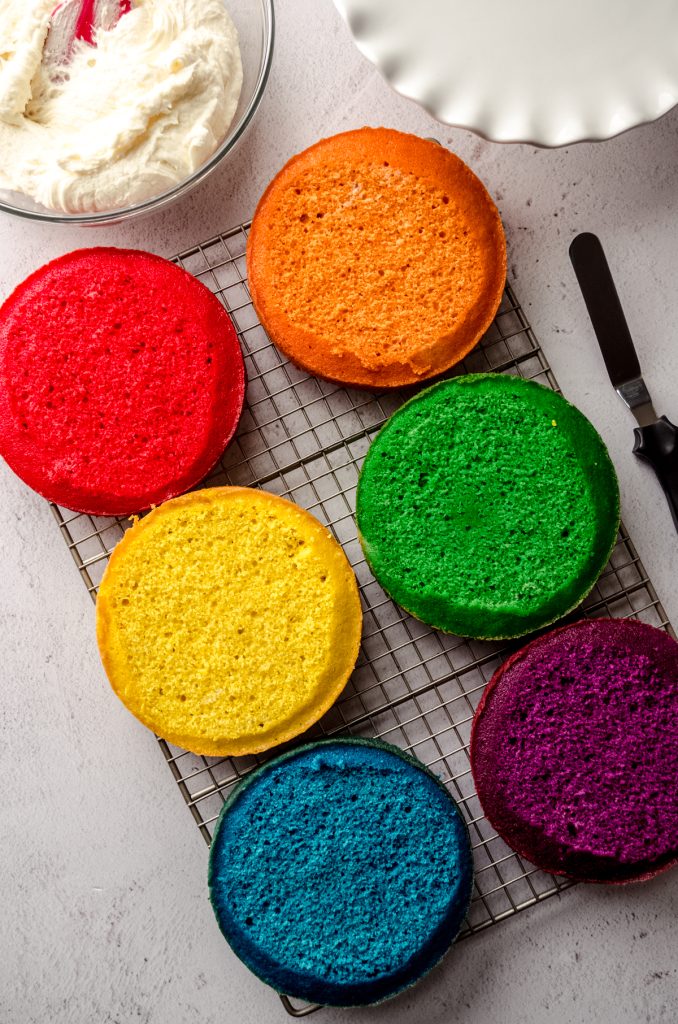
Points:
[(376, 259)]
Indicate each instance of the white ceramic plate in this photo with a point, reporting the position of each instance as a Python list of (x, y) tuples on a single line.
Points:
[(548, 72)]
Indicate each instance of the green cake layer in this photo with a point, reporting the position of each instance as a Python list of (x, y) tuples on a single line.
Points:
[(487, 506)]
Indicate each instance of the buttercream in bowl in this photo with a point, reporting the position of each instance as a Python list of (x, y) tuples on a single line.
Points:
[(126, 120)]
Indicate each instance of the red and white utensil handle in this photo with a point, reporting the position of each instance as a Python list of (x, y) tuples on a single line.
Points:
[(79, 19)]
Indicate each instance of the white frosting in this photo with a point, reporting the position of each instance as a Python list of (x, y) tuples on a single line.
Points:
[(132, 117)]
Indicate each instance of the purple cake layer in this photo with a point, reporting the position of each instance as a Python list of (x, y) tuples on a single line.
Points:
[(574, 751)]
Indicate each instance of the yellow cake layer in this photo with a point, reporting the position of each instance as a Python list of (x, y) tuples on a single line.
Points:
[(228, 620)]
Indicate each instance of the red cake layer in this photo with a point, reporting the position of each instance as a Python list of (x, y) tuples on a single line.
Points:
[(121, 380)]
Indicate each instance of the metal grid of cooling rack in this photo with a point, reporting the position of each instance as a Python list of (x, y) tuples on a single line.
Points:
[(305, 439)]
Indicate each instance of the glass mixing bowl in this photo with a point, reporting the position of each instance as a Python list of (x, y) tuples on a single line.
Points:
[(254, 20)]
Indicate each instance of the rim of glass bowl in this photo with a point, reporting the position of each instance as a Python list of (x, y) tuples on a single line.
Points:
[(156, 202)]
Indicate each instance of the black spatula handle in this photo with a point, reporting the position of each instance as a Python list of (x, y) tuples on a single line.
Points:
[(657, 444)]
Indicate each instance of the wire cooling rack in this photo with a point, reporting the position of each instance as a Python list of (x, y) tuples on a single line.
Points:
[(305, 439)]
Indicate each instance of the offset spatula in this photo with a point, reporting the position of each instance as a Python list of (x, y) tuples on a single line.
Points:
[(656, 437)]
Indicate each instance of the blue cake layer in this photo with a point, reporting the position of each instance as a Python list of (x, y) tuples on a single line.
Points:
[(341, 871)]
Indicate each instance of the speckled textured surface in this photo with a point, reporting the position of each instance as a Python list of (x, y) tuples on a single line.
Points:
[(341, 872), (122, 381), (255, 617), (114, 925), (487, 506), (376, 258), (575, 750)]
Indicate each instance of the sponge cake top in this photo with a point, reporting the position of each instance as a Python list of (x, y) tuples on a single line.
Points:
[(574, 750), (487, 506), (122, 380), (228, 620), (376, 259), (341, 871)]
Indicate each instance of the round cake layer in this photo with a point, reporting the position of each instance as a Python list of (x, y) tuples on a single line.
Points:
[(341, 872), (122, 381), (376, 259), (574, 751), (228, 620), (487, 506)]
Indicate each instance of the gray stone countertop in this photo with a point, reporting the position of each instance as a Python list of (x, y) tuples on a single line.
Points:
[(105, 916)]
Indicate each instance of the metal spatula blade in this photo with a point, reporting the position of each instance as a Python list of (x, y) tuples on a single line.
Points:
[(656, 439), (609, 323)]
